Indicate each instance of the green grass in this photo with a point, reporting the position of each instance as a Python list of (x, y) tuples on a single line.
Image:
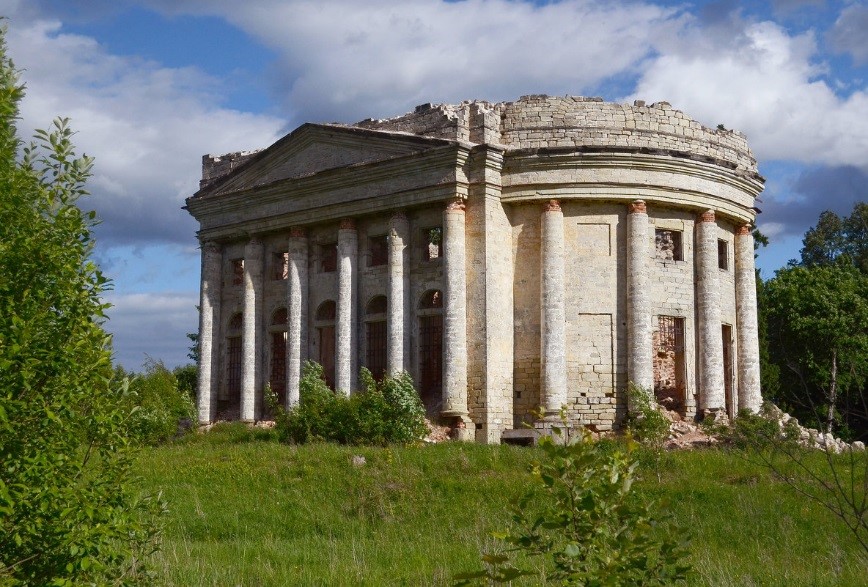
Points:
[(252, 512)]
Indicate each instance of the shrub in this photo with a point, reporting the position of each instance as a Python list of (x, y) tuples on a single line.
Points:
[(582, 520), (381, 413), (645, 422), (158, 407)]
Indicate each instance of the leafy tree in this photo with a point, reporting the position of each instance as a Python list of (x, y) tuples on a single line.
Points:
[(834, 237), (69, 512), (817, 321)]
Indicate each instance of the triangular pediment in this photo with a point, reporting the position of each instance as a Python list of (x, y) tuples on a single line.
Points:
[(314, 148)]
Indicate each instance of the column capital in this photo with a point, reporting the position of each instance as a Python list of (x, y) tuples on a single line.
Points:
[(744, 230), (552, 206), (398, 216), (297, 232), (210, 246), (707, 216), (455, 205), (348, 224), (637, 207)]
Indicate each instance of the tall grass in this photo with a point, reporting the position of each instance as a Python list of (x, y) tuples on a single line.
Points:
[(245, 510)]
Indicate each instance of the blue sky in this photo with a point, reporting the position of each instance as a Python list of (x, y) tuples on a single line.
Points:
[(152, 85)]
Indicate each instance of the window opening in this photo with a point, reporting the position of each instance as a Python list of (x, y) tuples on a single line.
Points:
[(379, 249), (325, 327), (668, 244), (433, 243), (431, 351), (237, 271), (722, 254), (375, 336), (280, 266), (329, 258)]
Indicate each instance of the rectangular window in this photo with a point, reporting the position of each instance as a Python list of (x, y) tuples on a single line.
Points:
[(234, 368), (668, 244), (237, 271), (376, 348), (722, 254), (432, 240), (280, 266), (379, 250), (329, 258)]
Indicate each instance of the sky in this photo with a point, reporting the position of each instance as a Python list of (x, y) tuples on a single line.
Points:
[(152, 85)]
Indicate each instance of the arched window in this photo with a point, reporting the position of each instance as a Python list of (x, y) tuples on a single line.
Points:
[(325, 328), (375, 336), (430, 312), (278, 318)]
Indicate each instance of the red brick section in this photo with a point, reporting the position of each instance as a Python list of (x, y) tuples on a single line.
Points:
[(297, 232), (707, 216), (637, 207), (348, 224), (743, 230), (456, 204), (552, 206)]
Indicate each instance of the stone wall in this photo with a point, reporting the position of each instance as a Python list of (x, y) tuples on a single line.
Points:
[(539, 121)]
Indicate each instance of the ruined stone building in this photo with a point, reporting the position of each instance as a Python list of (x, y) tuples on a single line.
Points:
[(509, 256)]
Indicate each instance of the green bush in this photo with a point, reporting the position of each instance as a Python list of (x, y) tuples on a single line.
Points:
[(158, 407), (381, 413), (586, 526), (645, 422)]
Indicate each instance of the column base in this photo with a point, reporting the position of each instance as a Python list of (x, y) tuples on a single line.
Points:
[(551, 421), (462, 428)]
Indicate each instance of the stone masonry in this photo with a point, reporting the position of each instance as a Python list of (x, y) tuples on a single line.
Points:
[(511, 256)]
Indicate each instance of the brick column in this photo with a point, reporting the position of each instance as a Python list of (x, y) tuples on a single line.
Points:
[(399, 289), (209, 330), (747, 332), (346, 347), (712, 395), (640, 366), (251, 336), (296, 302), (455, 312), (553, 358)]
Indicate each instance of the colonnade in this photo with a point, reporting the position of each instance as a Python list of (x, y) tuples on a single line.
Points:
[(347, 319), (640, 368)]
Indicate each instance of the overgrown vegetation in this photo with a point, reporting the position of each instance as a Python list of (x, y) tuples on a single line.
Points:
[(381, 413), (837, 482), (263, 513), (69, 510), (582, 518), (160, 401)]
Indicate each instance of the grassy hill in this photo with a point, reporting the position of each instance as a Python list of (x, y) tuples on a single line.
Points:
[(253, 512)]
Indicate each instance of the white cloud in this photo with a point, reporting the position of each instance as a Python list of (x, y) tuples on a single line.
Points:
[(764, 83), (147, 125), (152, 324), (848, 35)]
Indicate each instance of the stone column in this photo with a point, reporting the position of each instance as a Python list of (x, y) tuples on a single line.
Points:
[(640, 365), (346, 347), (296, 303), (455, 312), (553, 357), (399, 289), (209, 330), (251, 336), (747, 331), (712, 394)]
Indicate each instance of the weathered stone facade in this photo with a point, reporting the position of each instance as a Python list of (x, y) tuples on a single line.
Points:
[(510, 256)]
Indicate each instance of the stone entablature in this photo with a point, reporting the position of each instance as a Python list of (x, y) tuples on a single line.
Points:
[(511, 256)]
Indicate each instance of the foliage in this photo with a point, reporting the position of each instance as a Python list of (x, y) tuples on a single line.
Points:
[(383, 412), (581, 517), (158, 407), (838, 483), (645, 421), (70, 512), (834, 237), (187, 377), (817, 320)]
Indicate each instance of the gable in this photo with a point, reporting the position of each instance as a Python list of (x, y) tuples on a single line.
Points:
[(311, 149)]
